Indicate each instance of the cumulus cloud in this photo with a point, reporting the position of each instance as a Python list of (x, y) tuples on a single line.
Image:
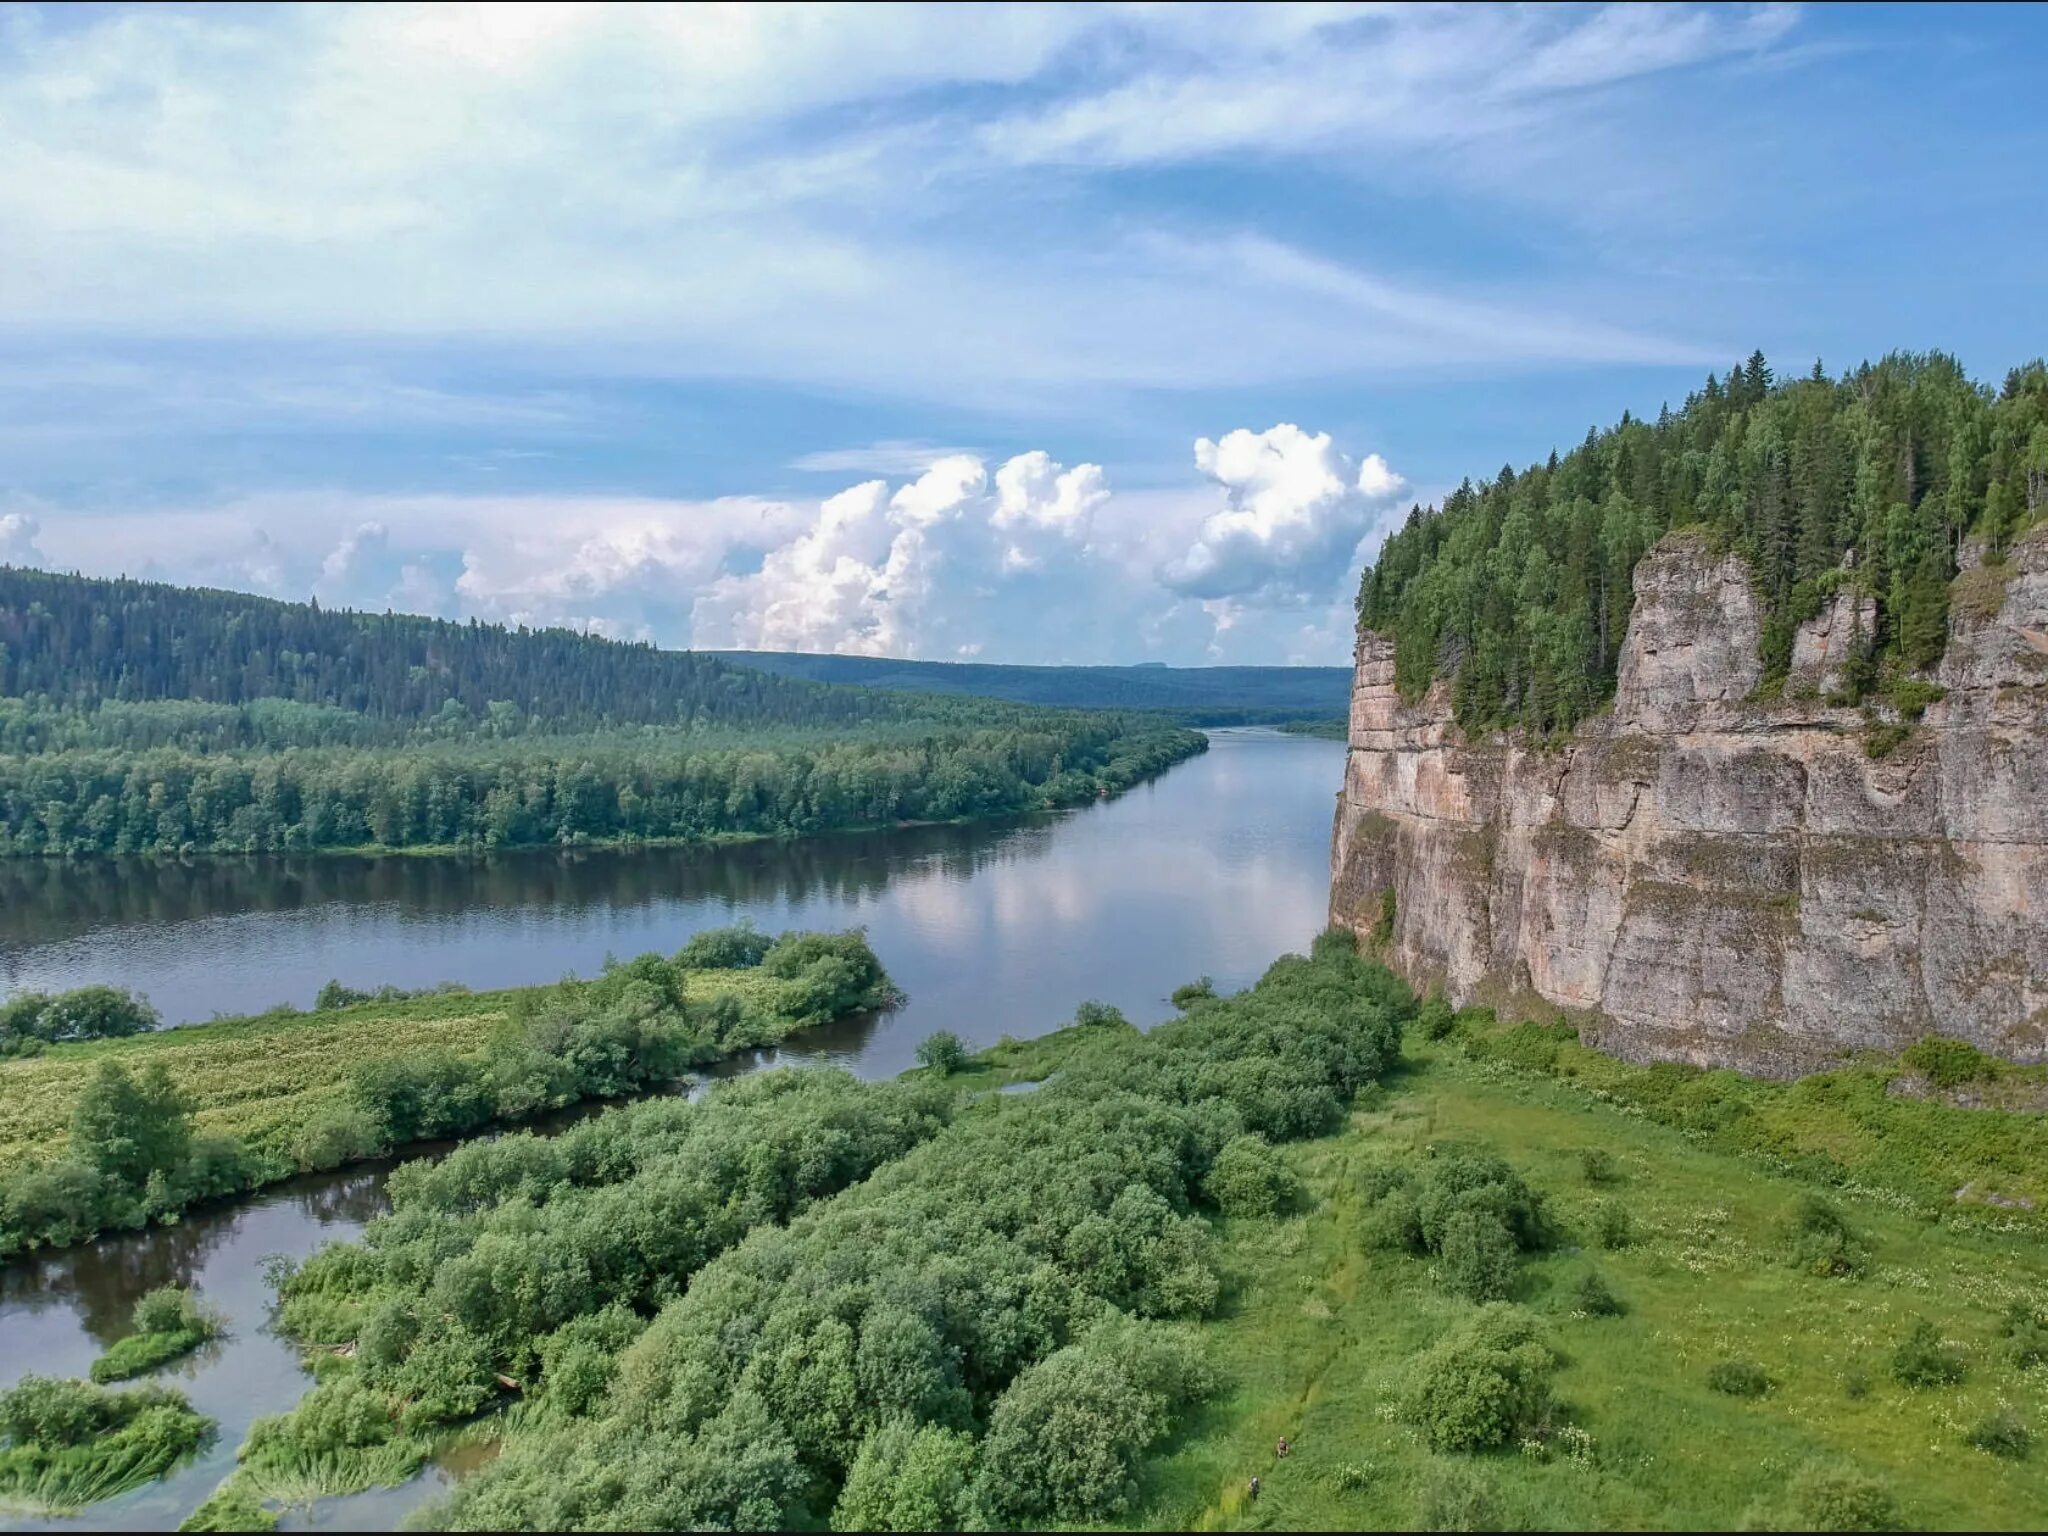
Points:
[(18, 539), (1295, 509), (900, 574)]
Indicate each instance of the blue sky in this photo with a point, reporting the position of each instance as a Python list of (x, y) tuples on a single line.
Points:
[(1021, 333)]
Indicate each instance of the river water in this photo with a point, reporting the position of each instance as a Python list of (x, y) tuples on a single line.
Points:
[(1214, 868)]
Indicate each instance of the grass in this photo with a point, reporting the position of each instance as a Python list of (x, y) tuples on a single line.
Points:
[(262, 1078), (1316, 1335)]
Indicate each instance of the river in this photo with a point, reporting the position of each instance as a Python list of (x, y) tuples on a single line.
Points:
[(1214, 868)]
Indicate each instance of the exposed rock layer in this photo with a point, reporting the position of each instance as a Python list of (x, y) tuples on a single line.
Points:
[(1704, 876)]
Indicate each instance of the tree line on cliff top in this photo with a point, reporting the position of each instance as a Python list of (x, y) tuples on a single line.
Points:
[(1517, 589)]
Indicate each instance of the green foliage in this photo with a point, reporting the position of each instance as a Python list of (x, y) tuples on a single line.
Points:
[(64, 1444), (33, 1020), (169, 1322), (1819, 1241), (2025, 1329), (128, 1128), (1249, 1178), (1923, 1358), (230, 1508), (1456, 1496), (1592, 1295), (2004, 1434), (1824, 1498), (1009, 1275), (1437, 1019), (1476, 1254), (943, 1052), (1613, 1227), (1597, 1166), (1193, 992), (910, 1477), (1485, 1384), (1519, 588), (1738, 1378), (739, 946), (1948, 1063)]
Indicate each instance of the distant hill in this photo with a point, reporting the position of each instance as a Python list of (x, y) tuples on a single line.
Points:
[(1197, 695)]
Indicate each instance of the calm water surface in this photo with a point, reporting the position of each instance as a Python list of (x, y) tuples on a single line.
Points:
[(1216, 868)]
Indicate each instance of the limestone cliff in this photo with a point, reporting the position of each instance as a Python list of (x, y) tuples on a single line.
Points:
[(1704, 876)]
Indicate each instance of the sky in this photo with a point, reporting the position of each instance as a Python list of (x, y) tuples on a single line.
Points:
[(1013, 333)]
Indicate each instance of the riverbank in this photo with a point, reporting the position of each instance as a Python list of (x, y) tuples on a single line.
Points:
[(248, 1102)]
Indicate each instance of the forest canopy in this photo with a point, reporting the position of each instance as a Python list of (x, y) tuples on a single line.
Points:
[(1517, 589)]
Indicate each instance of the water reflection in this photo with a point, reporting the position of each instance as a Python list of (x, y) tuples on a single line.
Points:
[(1215, 868)]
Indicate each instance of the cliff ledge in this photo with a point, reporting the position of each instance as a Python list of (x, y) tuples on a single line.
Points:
[(1703, 876)]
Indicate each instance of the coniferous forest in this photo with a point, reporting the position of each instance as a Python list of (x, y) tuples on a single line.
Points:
[(137, 717), (1517, 589)]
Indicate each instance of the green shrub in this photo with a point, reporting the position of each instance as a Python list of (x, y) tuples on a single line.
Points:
[(910, 1477), (1821, 1498), (2002, 1434), (1597, 1166), (69, 1443), (1436, 1020), (1948, 1063), (1193, 992), (2026, 1335), (1613, 1227), (1738, 1378), (738, 947), (1924, 1359), (1591, 1295), (942, 1052), (1485, 1383), (1476, 1255), (229, 1508), (1817, 1240), (337, 1133), (1249, 1178), (1392, 1224), (1463, 1178), (1856, 1383)]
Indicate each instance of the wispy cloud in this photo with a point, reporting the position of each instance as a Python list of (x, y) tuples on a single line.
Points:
[(892, 456)]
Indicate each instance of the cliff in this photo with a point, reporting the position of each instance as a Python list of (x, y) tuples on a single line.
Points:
[(1704, 876)]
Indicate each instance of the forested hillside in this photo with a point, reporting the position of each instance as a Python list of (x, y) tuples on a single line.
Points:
[(1517, 588), (1195, 695), (136, 717)]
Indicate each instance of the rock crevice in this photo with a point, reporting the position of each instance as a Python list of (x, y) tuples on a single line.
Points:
[(1708, 876)]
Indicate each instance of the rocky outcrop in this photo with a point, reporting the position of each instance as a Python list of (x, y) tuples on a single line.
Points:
[(1706, 876)]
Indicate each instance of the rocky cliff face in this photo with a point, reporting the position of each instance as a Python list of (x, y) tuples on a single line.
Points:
[(1707, 877)]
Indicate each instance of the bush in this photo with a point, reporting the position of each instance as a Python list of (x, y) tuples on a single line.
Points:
[(739, 947), (72, 1443), (1818, 1241), (1856, 1383), (1392, 1225), (1592, 1296), (1597, 1166), (2026, 1335), (1248, 1178), (169, 1322), (230, 1508), (1826, 1499), (910, 1477), (36, 1019), (1436, 1020), (1064, 1440), (1461, 1178), (1476, 1255), (942, 1052), (1948, 1063), (335, 1134), (1613, 1227), (1738, 1378), (2002, 1434), (1486, 1383), (1193, 992), (1924, 1359)]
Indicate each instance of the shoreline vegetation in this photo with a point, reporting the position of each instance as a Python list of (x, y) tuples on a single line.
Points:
[(115, 1133), (1477, 1275)]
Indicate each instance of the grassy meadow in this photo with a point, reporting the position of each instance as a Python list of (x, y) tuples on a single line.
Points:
[(263, 1078), (1316, 1334)]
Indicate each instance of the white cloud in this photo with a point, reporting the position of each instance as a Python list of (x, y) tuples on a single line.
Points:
[(892, 456), (820, 194), (18, 539), (1295, 509)]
